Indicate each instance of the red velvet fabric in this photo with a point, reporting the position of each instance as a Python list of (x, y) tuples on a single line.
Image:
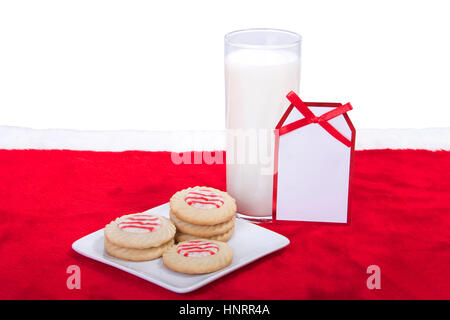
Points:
[(400, 221)]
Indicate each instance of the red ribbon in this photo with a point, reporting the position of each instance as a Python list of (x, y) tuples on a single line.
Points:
[(310, 117)]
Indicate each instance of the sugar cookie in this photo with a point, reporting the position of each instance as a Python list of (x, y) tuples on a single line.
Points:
[(137, 254), (203, 206), (198, 256), (139, 231), (179, 236), (201, 231)]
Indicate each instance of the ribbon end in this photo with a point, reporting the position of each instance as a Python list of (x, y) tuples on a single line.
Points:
[(292, 96), (348, 106)]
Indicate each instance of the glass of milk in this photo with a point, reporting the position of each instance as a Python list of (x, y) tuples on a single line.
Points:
[(261, 67)]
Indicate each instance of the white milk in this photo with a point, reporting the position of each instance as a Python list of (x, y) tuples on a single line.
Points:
[(256, 83)]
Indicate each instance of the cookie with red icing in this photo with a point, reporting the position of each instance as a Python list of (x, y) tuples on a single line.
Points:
[(139, 231), (203, 206), (198, 256)]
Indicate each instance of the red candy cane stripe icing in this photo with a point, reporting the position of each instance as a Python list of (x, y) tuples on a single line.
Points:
[(140, 223), (204, 199), (197, 248)]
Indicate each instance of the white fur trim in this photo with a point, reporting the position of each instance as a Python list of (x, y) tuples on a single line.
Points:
[(26, 138)]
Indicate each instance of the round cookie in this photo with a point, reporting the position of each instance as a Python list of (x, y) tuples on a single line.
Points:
[(179, 236), (198, 256), (137, 254), (139, 231), (203, 206), (201, 231)]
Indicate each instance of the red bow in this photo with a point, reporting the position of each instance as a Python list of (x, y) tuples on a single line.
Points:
[(310, 117)]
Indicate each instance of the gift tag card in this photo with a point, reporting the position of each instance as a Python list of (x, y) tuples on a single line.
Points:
[(313, 165)]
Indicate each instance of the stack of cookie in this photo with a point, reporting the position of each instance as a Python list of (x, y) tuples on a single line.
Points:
[(139, 237), (203, 212)]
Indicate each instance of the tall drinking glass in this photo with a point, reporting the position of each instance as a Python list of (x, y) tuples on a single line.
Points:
[(261, 67)]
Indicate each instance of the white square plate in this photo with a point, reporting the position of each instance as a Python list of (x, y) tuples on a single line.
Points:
[(249, 242)]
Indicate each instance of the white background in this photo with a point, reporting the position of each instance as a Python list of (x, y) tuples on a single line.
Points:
[(158, 65)]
